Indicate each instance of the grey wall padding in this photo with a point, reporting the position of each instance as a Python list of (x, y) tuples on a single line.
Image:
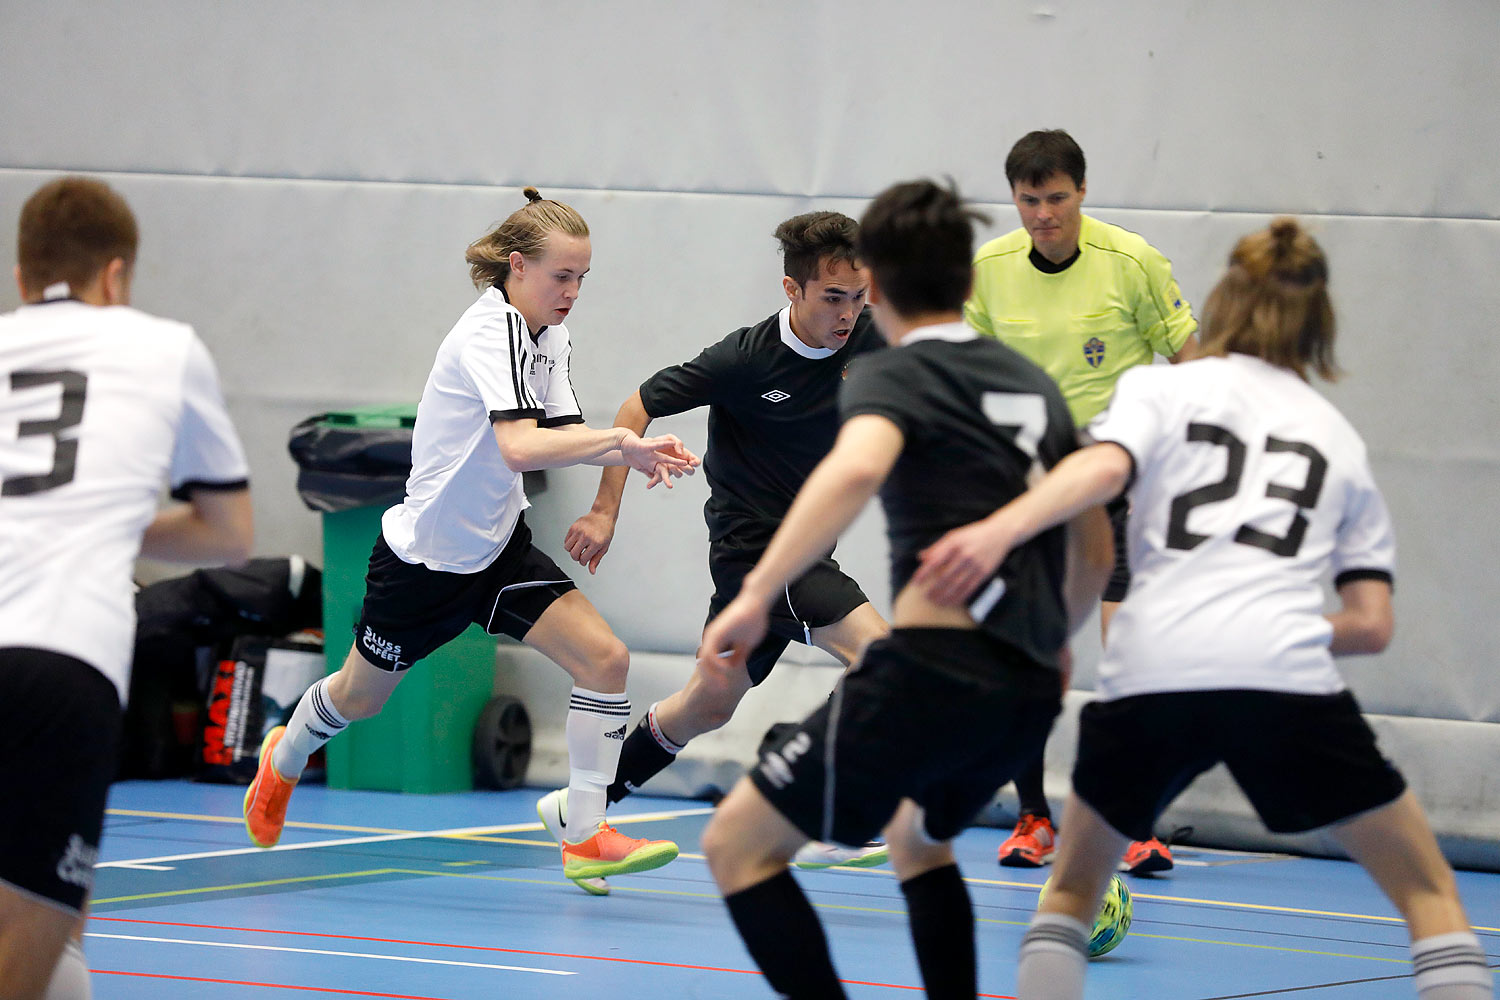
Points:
[(308, 175)]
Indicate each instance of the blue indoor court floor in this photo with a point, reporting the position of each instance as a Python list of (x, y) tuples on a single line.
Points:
[(461, 896)]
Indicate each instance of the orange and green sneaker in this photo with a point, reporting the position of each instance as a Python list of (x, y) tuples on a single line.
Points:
[(609, 852), (267, 796)]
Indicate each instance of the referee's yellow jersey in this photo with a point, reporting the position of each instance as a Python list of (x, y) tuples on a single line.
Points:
[(1109, 310)]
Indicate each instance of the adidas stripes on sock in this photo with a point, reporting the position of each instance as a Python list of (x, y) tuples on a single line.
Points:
[(1451, 967), (647, 752), (595, 733), (942, 929), (314, 722), (782, 933), (1054, 955)]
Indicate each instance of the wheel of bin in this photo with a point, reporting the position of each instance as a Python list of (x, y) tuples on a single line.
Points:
[(502, 744)]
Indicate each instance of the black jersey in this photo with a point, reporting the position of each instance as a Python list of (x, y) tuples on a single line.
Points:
[(772, 416), (978, 419)]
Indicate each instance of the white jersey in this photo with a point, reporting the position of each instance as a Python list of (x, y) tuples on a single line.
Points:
[(1249, 490), (99, 407), (462, 500)]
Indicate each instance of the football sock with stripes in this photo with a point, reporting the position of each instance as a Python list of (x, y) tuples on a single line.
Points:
[(1054, 955), (647, 752), (1451, 967), (782, 933), (595, 733), (942, 929), (314, 722)]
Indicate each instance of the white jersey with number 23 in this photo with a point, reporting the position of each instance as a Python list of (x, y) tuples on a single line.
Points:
[(1250, 489)]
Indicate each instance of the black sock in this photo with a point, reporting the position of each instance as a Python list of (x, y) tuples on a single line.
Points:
[(1029, 788), (782, 933), (641, 758), (942, 929)]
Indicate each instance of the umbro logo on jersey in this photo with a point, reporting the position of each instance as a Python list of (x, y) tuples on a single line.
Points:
[(776, 396), (1093, 352)]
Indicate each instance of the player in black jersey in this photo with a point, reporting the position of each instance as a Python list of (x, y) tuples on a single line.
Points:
[(772, 397), (917, 737)]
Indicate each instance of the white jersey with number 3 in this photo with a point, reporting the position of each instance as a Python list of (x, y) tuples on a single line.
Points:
[(1250, 490), (99, 408)]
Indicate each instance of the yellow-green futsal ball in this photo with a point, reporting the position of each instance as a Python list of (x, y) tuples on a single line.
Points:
[(1113, 921)]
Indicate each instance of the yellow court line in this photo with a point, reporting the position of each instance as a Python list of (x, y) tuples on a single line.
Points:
[(1404, 960), (149, 814), (655, 817), (246, 885), (1230, 904)]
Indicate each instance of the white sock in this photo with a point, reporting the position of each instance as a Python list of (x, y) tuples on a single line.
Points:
[(314, 722), (70, 980), (1451, 967), (1054, 955), (595, 732)]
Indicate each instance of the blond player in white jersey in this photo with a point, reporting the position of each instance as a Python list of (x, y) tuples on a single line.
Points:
[(499, 402), (100, 406), (1247, 490)]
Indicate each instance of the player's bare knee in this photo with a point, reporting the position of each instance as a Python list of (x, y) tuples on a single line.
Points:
[(913, 851), (716, 839), (606, 669), (709, 707)]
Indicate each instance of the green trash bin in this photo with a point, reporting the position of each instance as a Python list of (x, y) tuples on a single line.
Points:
[(422, 741)]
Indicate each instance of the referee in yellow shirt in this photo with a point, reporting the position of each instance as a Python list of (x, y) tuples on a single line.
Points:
[(1085, 300)]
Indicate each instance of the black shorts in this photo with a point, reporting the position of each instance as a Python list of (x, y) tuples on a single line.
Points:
[(410, 610), (60, 723), (821, 596), (940, 716), (1119, 580), (1304, 761)]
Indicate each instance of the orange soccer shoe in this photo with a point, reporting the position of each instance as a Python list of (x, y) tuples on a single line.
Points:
[(267, 796), (1031, 845), (609, 852), (1144, 857)]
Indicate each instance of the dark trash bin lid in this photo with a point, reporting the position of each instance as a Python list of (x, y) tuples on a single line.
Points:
[(353, 458)]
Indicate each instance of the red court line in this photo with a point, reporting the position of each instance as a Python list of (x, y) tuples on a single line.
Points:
[(271, 986), (481, 947)]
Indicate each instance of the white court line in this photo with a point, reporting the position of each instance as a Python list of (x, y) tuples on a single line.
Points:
[(467, 831), (336, 954)]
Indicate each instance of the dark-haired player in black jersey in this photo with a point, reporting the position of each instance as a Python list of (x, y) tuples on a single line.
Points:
[(772, 397), (917, 738)]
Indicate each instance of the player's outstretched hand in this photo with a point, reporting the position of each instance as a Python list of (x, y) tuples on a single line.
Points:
[(954, 566), (732, 636), (588, 539), (661, 458)]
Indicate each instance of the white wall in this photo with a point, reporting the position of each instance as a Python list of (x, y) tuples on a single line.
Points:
[(308, 174)]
